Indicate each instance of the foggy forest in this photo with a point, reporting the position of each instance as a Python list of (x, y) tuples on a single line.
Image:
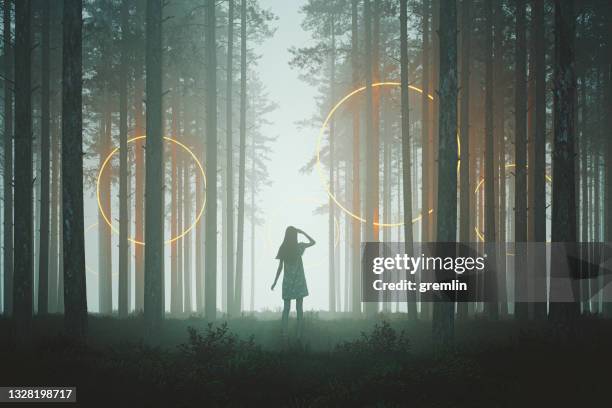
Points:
[(155, 151)]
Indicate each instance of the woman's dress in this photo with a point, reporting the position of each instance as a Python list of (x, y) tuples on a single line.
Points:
[(294, 280)]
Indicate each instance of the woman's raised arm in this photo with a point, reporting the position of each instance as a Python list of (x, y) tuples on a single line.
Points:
[(311, 241)]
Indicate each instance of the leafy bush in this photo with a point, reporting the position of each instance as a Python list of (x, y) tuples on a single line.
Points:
[(216, 347), (383, 340)]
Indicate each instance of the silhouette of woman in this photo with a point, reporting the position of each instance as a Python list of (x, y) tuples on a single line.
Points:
[(294, 282)]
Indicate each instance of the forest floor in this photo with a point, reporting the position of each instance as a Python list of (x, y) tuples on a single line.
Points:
[(383, 362)]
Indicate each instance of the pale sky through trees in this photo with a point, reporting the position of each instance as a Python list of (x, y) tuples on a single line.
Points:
[(293, 196)]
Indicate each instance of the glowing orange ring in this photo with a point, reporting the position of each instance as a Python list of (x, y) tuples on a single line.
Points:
[(320, 137), (200, 212), (479, 234)]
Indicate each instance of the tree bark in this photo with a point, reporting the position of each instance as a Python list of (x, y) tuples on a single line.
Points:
[(43, 252), (229, 186), (406, 155), (253, 221), (563, 223), (607, 306), (242, 158), (8, 163), (123, 166), (499, 75), (584, 169), (154, 206), (331, 205), (187, 238), (55, 216), (73, 240), (356, 163), (174, 288), (539, 186), (520, 145), (179, 261), (105, 263), (105, 243), (198, 246), (372, 149), (491, 307), (443, 317), (426, 142), (24, 231), (464, 135), (210, 249), (139, 177)]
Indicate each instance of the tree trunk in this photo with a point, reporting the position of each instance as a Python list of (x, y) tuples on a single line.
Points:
[(24, 231), (242, 159), (198, 246), (73, 240), (8, 163), (331, 205), (229, 186), (500, 144), (210, 255), (491, 307), (443, 317), (105, 253), (607, 306), (584, 170), (138, 199), (225, 307), (426, 143), (539, 186), (434, 86), (123, 167), (61, 269), (105, 263), (187, 238), (55, 223), (174, 288), (464, 135), (347, 237), (520, 158), (563, 220), (36, 195), (386, 187), (406, 155), (356, 162), (180, 198), (372, 148), (129, 284), (154, 206), (139, 178), (253, 220), (43, 252)]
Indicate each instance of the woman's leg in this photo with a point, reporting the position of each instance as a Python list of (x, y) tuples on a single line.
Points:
[(299, 307), (285, 321)]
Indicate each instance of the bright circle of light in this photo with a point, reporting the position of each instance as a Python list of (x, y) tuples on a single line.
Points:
[(200, 212), (320, 138), (479, 234)]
